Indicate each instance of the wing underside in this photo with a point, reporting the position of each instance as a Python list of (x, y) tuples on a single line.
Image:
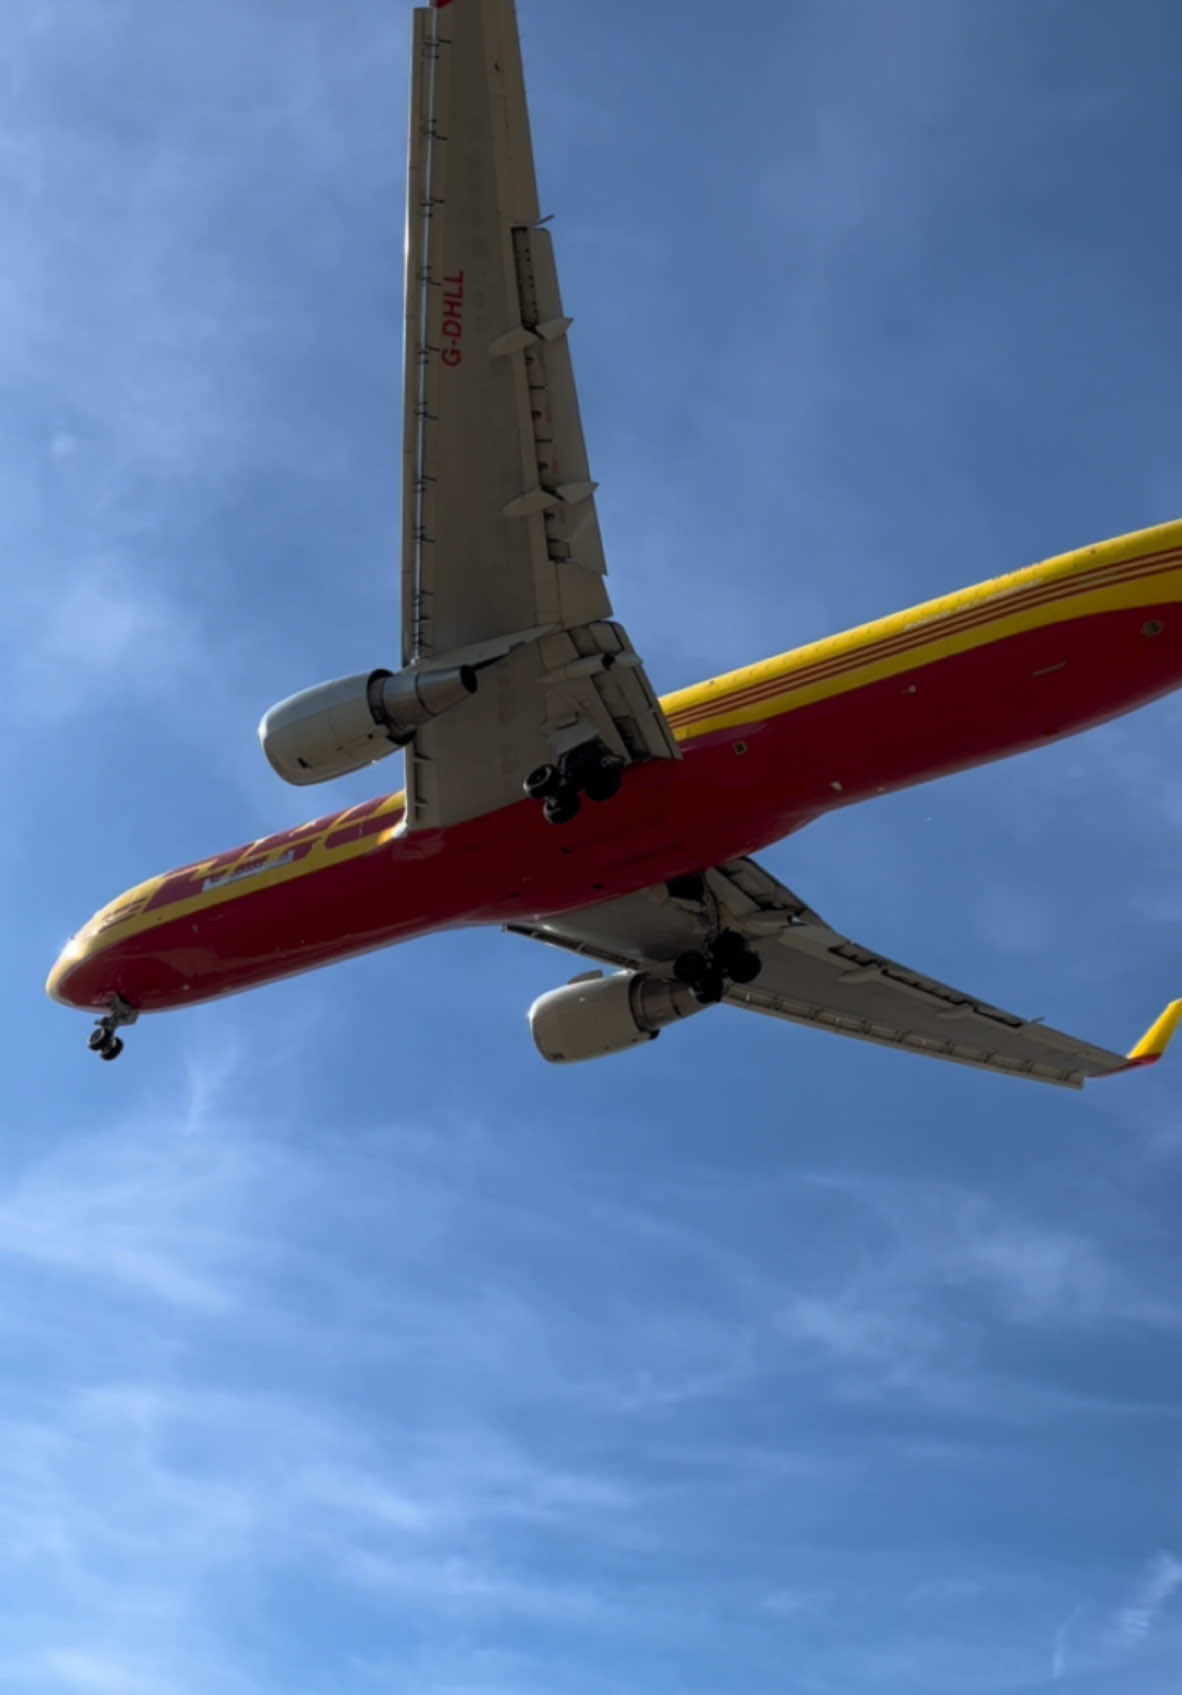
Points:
[(813, 975), (503, 564)]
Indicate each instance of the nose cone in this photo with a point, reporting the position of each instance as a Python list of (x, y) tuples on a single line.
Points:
[(67, 966), (98, 962), (91, 967)]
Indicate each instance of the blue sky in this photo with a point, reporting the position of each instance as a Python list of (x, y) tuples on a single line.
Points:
[(343, 1345)]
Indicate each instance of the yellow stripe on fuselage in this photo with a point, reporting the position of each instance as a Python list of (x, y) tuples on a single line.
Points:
[(262, 864), (1135, 570)]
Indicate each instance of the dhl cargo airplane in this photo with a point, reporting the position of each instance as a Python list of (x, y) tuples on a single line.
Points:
[(514, 675)]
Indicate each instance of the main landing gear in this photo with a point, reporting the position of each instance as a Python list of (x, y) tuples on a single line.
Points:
[(102, 1039), (588, 769), (726, 959)]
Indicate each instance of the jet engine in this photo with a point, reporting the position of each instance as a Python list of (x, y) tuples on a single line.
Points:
[(343, 726), (596, 1015)]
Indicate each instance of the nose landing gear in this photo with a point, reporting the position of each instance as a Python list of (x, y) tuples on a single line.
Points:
[(102, 1039), (588, 769), (726, 959)]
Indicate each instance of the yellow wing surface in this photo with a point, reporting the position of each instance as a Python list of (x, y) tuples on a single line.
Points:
[(810, 974)]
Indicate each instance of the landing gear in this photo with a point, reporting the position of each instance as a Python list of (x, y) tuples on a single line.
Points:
[(726, 959), (709, 989), (734, 958), (102, 1039), (588, 769), (542, 782), (562, 805), (551, 786), (604, 783)]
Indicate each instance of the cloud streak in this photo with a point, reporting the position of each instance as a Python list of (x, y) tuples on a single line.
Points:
[(1155, 1588)]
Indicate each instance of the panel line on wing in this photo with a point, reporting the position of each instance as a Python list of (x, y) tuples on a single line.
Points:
[(426, 166)]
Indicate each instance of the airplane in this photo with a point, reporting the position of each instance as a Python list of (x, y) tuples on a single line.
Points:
[(548, 790)]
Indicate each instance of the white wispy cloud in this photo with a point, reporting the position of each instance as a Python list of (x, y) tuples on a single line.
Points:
[(1097, 1642), (790, 1603), (1038, 1270), (934, 1270), (156, 356), (81, 1671), (101, 628), (462, 1587), (1151, 1594), (1060, 1646), (138, 1214), (149, 1262), (198, 1234)]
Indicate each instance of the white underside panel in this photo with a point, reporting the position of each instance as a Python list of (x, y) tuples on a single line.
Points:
[(812, 975), (501, 542)]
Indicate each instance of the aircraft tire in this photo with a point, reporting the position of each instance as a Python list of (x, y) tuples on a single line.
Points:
[(745, 967), (560, 808), (542, 782), (601, 785), (691, 968)]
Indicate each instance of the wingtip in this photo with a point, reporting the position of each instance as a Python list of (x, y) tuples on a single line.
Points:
[(1156, 1039)]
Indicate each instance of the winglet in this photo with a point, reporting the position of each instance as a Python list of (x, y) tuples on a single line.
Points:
[(1156, 1039)]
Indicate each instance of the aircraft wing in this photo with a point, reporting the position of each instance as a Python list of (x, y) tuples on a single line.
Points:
[(502, 562), (812, 975)]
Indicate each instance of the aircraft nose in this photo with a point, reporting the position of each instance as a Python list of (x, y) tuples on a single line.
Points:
[(83, 974), (73, 955), (94, 964)]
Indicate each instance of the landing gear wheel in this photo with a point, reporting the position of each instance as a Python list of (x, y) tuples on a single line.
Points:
[(560, 808), (590, 769), (745, 967), (579, 763), (727, 946), (542, 782), (709, 990), (601, 785), (727, 959), (735, 959), (690, 968), (102, 1039)]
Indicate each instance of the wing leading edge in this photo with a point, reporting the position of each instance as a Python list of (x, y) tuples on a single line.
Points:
[(813, 975), (503, 564)]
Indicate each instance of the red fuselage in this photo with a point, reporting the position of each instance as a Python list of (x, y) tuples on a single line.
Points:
[(996, 670)]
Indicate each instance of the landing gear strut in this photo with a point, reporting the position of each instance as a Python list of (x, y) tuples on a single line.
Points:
[(102, 1039), (726, 959), (588, 769)]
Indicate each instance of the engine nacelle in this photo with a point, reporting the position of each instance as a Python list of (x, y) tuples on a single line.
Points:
[(343, 726), (597, 1015)]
